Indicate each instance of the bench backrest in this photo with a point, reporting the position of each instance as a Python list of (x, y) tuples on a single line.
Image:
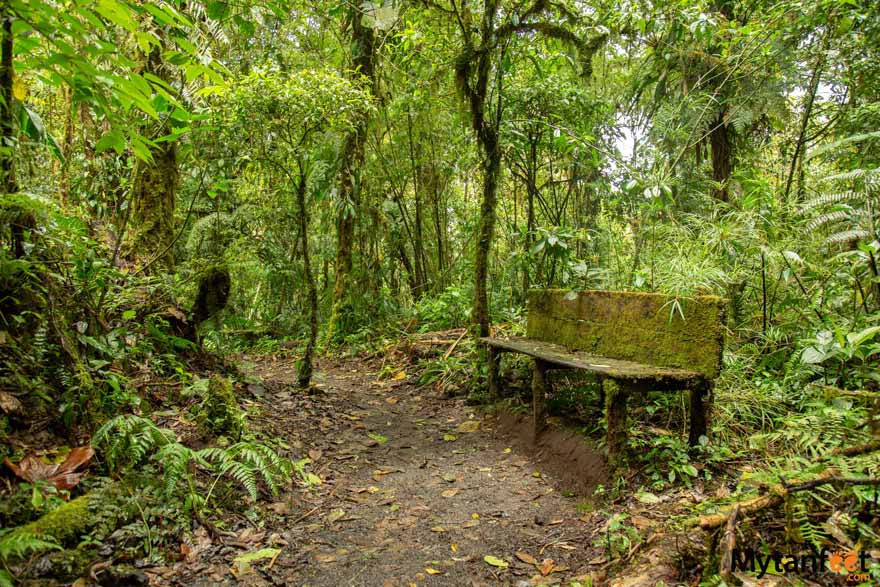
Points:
[(642, 327)]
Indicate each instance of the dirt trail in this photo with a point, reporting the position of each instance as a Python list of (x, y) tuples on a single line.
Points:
[(417, 489)]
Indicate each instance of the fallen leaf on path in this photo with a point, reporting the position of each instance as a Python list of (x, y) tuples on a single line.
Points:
[(468, 426), (242, 564), (449, 478), (315, 454), (250, 536), (261, 554), (546, 566), (392, 400), (400, 376), (378, 437), (450, 437), (450, 492), (496, 562), (526, 558), (438, 529), (647, 497), (335, 515), (641, 522), (325, 558), (431, 571)]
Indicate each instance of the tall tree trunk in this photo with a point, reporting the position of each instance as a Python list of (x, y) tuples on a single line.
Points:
[(362, 54), (805, 118), (531, 191), (304, 368), (491, 169), (722, 156), (8, 181), (151, 233), (418, 188), (67, 147), (8, 139)]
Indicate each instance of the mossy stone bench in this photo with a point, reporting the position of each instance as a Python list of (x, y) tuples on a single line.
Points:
[(634, 342)]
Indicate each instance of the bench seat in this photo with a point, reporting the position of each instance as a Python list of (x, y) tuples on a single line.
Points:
[(558, 354)]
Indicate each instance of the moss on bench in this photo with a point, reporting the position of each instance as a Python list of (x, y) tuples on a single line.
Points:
[(643, 328)]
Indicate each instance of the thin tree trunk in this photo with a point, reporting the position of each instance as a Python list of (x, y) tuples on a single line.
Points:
[(531, 189), (8, 182), (418, 186), (815, 78), (67, 146), (362, 53), (438, 228), (722, 156), (304, 371)]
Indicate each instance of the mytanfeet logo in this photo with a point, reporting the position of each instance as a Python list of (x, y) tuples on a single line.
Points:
[(853, 563)]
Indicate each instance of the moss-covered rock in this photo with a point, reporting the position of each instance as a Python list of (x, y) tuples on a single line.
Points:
[(64, 524), (221, 414)]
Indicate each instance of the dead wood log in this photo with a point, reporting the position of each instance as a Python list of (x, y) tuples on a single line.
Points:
[(775, 496)]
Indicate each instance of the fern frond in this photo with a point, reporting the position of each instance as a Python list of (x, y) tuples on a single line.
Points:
[(844, 142), (243, 474), (828, 218), (847, 236), (826, 199), (20, 544)]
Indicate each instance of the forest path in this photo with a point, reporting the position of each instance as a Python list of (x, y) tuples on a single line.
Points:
[(417, 489)]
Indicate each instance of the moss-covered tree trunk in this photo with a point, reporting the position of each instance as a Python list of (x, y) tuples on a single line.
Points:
[(151, 225), (473, 69), (362, 66), (491, 169), (8, 181), (304, 374)]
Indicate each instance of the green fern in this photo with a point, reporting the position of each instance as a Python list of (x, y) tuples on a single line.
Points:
[(850, 213), (19, 544), (129, 440), (800, 528)]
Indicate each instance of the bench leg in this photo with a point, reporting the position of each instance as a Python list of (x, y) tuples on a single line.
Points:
[(539, 391), (494, 358), (616, 394), (701, 395)]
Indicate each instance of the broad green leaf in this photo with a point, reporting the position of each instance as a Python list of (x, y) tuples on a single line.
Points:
[(496, 562)]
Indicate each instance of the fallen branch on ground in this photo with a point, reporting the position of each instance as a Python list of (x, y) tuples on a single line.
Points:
[(775, 496)]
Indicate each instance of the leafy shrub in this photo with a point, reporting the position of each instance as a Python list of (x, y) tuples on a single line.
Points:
[(450, 309)]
